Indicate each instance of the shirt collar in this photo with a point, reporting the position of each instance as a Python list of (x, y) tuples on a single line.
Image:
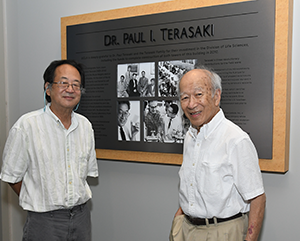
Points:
[(208, 128), (74, 121)]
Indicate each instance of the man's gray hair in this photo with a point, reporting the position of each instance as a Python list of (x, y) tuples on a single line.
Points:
[(216, 81)]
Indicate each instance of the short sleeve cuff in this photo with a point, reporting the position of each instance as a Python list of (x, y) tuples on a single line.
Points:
[(9, 179), (249, 196)]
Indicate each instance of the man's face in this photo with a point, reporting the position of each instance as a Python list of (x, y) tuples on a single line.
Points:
[(196, 98), (170, 113), (143, 73), (123, 114), (152, 106), (64, 98), (167, 105)]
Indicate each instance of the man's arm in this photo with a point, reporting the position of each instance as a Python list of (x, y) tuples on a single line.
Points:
[(256, 215), (16, 187)]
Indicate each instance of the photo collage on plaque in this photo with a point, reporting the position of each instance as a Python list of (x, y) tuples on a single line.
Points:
[(148, 107)]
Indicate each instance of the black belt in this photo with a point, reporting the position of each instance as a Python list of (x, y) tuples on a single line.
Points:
[(202, 221), (76, 208), (71, 209)]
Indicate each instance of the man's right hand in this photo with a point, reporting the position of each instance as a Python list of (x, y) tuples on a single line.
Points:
[(179, 212)]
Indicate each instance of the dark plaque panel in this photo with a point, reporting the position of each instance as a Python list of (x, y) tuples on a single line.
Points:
[(236, 40)]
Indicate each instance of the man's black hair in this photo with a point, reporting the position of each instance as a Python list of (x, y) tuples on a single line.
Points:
[(49, 73)]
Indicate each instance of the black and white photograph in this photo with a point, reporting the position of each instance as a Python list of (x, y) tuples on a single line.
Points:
[(164, 121), (128, 120), (169, 73), (136, 80), (175, 126)]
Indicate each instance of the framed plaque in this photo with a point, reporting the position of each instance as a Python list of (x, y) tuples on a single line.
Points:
[(134, 58)]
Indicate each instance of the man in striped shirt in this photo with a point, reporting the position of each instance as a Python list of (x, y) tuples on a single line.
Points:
[(47, 157)]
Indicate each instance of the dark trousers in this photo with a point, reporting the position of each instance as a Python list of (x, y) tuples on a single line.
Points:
[(59, 225)]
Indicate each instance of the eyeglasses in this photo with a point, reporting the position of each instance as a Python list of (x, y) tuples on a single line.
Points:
[(65, 85), (124, 113)]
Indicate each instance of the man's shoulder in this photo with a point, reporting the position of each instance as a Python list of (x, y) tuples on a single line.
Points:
[(29, 115), (27, 120), (233, 130)]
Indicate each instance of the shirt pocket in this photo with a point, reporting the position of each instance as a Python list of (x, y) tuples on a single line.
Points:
[(210, 178)]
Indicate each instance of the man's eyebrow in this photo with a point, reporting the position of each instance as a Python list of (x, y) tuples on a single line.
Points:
[(199, 88), (65, 78), (195, 90)]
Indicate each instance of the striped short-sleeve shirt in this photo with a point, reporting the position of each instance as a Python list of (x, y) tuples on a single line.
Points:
[(51, 161)]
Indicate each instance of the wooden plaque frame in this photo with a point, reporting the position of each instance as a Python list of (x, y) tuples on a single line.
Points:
[(282, 76)]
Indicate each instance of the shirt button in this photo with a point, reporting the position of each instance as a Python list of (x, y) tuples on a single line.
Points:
[(70, 182)]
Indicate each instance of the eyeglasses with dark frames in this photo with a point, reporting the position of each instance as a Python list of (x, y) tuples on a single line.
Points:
[(64, 85)]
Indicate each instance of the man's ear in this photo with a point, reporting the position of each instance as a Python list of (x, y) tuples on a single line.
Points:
[(217, 97), (47, 88)]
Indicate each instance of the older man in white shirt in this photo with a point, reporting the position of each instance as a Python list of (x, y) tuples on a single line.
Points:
[(221, 193)]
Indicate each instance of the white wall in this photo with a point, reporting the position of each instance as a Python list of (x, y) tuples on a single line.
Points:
[(2, 94), (132, 201), (2, 83)]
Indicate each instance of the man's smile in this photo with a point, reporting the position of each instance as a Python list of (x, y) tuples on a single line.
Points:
[(195, 113)]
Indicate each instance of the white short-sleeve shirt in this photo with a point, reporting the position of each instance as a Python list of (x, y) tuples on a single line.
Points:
[(51, 161), (220, 171)]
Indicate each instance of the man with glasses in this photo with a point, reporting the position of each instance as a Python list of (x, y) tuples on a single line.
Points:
[(126, 131), (47, 157)]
